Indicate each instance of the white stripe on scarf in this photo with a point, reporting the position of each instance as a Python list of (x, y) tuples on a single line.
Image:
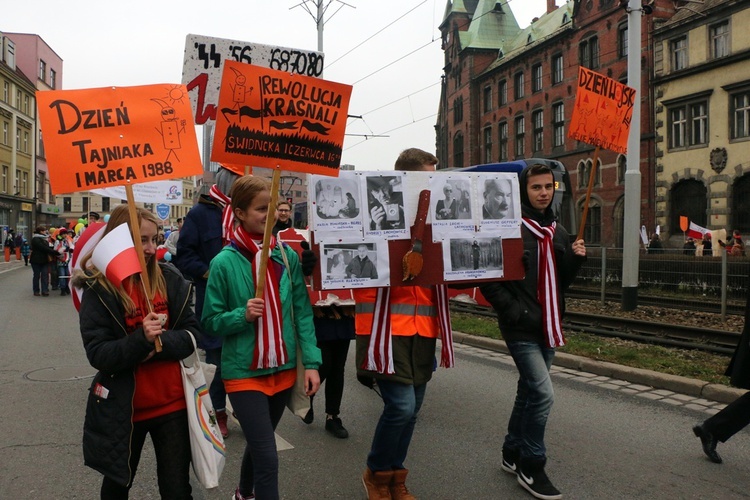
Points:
[(227, 215)]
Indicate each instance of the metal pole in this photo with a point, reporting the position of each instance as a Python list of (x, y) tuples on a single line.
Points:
[(604, 273), (633, 173), (723, 285)]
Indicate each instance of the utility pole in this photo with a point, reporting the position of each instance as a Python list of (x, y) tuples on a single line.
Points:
[(320, 7), (632, 221)]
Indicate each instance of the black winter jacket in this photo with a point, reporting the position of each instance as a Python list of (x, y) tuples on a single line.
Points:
[(519, 312), (40, 250), (107, 430)]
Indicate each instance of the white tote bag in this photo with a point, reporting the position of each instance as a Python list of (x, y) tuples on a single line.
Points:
[(206, 444)]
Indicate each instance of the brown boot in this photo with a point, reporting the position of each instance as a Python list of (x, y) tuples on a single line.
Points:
[(377, 484), (399, 491), (221, 419)]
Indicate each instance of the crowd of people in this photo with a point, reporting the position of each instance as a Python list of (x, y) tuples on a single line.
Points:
[(254, 340)]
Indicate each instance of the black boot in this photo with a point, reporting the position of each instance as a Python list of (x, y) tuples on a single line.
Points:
[(708, 441), (532, 477)]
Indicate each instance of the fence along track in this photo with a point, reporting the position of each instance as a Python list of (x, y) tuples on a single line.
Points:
[(680, 336)]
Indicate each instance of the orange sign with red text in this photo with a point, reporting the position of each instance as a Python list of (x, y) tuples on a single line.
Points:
[(269, 118), (114, 136), (602, 113)]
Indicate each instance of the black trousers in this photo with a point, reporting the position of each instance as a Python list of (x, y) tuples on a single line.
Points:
[(334, 354), (171, 439), (731, 419)]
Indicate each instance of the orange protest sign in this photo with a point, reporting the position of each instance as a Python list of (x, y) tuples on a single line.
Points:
[(115, 136), (602, 112), (268, 118)]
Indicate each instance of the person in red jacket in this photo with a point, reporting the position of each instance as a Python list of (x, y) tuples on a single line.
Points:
[(400, 359)]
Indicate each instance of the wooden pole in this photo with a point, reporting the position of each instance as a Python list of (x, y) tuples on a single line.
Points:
[(136, 229), (592, 178), (270, 221)]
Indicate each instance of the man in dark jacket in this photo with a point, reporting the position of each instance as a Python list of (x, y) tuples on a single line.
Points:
[(529, 314), (361, 266)]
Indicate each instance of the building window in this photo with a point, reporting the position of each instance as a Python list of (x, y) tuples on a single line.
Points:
[(26, 104), (52, 78), (487, 98), (678, 50), (719, 39), (741, 115), (592, 233), (40, 149), (688, 124), (66, 204), (622, 167), (557, 69), (688, 198), (40, 183), (5, 133), (25, 185), (536, 78), (487, 144), (16, 186), (622, 39), (18, 99), (6, 92), (458, 110), (458, 150), (502, 134), (502, 92), (42, 70), (105, 204), (520, 132), (18, 139), (5, 179), (518, 82), (558, 124), (25, 142), (589, 52), (537, 121), (85, 204)]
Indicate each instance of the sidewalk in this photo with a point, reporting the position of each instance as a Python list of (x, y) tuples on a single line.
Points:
[(672, 389), (13, 264)]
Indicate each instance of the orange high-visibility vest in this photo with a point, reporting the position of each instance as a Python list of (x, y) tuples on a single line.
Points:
[(413, 311)]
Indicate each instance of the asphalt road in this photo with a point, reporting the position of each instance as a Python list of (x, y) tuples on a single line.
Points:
[(602, 443)]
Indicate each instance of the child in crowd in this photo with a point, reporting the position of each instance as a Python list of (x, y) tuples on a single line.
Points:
[(136, 390), (270, 326)]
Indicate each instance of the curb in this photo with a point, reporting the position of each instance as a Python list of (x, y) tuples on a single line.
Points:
[(683, 385)]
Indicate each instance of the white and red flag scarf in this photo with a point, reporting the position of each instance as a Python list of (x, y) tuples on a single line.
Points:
[(270, 350), (695, 231), (227, 215), (546, 287), (84, 246), (115, 255)]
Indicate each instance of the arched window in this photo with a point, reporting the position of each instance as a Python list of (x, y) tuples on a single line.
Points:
[(689, 199), (582, 174), (592, 232), (622, 166), (741, 204), (618, 219), (458, 150)]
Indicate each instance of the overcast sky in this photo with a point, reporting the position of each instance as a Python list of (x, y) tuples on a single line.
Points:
[(389, 50)]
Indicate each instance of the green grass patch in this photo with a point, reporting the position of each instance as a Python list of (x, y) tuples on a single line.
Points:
[(683, 362)]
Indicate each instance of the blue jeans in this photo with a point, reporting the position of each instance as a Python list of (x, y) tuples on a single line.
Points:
[(390, 443), (534, 398), (62, 276), (41, 271), (216, 390)]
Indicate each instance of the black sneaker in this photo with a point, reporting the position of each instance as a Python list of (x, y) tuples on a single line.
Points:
[(335, 427), (510, 460), (534, 480)]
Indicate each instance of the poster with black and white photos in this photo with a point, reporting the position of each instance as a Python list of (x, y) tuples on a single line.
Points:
[(336, 203), (497, 204), (473, 258), (450, 205), (360, 264), (383, 203)]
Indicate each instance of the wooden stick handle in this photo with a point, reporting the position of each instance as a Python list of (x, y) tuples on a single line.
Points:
[(270, 221), (592, 178), (136, 229)]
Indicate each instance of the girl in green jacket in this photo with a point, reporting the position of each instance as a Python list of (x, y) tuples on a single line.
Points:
[(261, 334)]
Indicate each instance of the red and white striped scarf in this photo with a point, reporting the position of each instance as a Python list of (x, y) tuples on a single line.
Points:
[(380, 349), (546, 288), (227, 215), (270, 350)]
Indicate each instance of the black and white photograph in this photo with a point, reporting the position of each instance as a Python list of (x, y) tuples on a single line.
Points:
[(336, 202), (385, 215), (354, 265), (451, 205), (498, 195), (471, 258)]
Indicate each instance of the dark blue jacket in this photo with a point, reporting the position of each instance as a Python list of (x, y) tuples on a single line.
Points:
[(200, 241)]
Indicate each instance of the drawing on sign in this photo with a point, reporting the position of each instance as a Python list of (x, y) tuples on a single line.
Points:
[(170, 128)]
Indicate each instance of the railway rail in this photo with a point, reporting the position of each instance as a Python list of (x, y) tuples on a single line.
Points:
[(680, 336)]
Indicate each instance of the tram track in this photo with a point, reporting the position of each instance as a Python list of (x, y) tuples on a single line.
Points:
[(663, 334), (698, 305)]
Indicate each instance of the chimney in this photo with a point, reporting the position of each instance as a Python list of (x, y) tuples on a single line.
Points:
[(551, 6)]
